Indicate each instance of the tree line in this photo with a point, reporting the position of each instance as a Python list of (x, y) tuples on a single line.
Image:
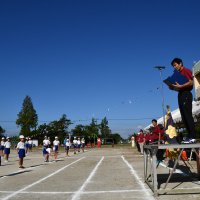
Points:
[(27, 120)]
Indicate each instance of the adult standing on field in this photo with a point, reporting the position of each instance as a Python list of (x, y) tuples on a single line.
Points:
[(141, 140), (185, 98)]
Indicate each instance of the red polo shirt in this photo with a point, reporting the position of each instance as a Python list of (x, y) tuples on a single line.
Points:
[(141, 138), (187, 73), (156, 131)]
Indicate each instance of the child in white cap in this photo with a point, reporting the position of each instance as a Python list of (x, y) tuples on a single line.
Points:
[(30, 144), (75, 144), (2, 146), (21, 151), (56, 144), (7, 146), (46, 145), (67, 146)]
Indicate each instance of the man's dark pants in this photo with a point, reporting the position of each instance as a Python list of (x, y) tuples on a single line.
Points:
[(185, 106)]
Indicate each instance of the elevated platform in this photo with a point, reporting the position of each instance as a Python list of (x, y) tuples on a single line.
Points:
[(154, 168)]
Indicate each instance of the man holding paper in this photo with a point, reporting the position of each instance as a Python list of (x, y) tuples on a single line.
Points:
[(184, 85)]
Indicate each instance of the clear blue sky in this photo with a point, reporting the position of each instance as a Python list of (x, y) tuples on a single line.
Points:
[(93, 58)]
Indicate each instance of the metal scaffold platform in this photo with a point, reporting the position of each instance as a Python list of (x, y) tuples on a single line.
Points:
[(158, 174)]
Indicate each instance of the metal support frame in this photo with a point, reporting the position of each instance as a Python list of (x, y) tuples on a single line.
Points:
[(151, 163)]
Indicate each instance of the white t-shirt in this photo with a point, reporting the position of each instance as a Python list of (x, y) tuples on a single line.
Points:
[(46, 142), (7, 144), (30, 141), (78, 142), (83, 141), (56, 142), (75, 141), (67, 144), (20, 145)]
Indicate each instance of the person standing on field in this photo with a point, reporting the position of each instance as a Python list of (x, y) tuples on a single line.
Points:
[(185, 98)]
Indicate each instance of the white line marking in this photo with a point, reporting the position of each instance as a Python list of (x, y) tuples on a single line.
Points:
[(137, 178), (39, 181), (80, 191), (84, 192)]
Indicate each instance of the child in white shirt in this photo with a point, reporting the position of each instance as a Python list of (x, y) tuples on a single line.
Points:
[(56, 144), (21, 151), (7, 146), (46, 149), (2, 146), (67, 146), (75, 144)]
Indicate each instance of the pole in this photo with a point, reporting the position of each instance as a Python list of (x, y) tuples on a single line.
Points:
[(161, 68), (162, 93)]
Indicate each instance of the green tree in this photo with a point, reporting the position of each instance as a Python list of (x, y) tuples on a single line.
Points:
[(92, 130), (116, 137), (1, 131), (58, 128), (41, 132), (27, 117), (104, 128), (79, 130)]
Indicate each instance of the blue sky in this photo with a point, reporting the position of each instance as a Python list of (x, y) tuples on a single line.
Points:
[(93, 58)]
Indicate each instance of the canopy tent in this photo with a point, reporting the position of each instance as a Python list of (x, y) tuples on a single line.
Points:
[(177, 116)]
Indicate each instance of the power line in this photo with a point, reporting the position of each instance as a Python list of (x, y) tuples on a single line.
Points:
[(81, 120)]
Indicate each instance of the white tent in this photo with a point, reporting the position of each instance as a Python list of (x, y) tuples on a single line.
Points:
[(177, 116)]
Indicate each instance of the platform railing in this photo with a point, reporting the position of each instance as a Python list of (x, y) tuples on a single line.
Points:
[(151, 163)]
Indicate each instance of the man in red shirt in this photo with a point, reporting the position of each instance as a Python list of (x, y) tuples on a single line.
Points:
[(157, 132), (157, 137), (141, 141), (185, 98)]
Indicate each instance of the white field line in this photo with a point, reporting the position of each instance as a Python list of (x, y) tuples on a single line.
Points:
[(28, 168), (88, 192), (83, 192), (80, 191), (150, 197), (40, 180)]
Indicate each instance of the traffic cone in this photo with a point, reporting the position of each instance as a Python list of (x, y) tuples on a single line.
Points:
[(184, 155)]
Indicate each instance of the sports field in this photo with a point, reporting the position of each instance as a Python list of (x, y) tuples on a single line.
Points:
[(106, 173)]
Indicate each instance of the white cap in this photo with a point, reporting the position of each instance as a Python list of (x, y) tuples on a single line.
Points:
[(56, 137), (21, 137), (8, 138), (2, 138)]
